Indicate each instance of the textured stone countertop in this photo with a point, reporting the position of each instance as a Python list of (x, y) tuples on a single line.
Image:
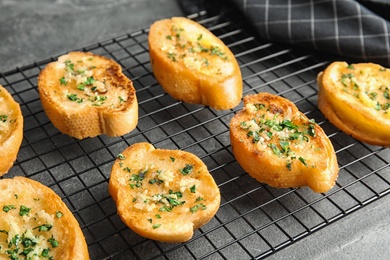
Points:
[(38, 29)]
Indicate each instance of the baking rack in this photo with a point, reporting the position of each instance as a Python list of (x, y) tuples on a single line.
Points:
[(254, 220)]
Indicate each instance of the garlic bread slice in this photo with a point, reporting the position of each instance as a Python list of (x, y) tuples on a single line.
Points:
[(85, 95), (278, 145), (356, 99), (163, 194), (193, 65)]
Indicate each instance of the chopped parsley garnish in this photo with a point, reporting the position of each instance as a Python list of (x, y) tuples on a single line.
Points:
[(172, 158), (197, 207), (155, 181), (193, 189), (69, 65), (199, 199), (346, 77), (137, 179), (73, 97), (172, 56), (23, 210), (120, 156), (7, 208), (98, 100), (53, 242), (302, 161), (45, 252), (44, 227), (3, 118), (156, 226), (278, 135), (59, 214), (187, 169), (63, 81), (215, 50)]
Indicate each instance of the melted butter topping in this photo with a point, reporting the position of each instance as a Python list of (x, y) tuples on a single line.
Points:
[(84, 84), (26, 234), (370, 86), (279, 135), (197, 51)]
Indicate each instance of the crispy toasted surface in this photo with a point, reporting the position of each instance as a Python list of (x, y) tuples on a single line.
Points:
[(36, 224), (355, 98), (163, 194), (85, 95), (193, 65), (277, 144), (11, 130)]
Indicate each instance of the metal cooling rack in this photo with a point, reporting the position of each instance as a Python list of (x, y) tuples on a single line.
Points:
[(254, 220)]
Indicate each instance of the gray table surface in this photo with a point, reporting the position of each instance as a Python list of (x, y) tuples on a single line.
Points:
[(37, 29)]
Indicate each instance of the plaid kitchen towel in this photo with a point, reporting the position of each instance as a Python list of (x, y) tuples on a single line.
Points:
[(355, 29)]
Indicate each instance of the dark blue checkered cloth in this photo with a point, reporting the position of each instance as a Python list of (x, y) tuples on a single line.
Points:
[(355, 29)]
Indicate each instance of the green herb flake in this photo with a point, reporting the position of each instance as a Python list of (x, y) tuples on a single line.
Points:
[(158, 216), (45, 252), (121, 156), (59, 214), (302, 160), (63, 81), (288, 165), (73, 97), (44, 227), (172, 159), (197, 207), (53, 242), (187, 169), (69, 65), (3, 118), (156, 226), (172, 57), (199, 199), (7, 208), (23, 210), (81, 87), (193, 189), (137, 178)]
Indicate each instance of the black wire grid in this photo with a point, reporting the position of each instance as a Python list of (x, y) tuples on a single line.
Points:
[(254, 220)]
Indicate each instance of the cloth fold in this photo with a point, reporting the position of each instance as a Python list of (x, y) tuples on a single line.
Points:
[(354, 29)]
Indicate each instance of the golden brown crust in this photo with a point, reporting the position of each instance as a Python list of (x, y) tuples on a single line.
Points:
[(277, 144), (11, 130), (163, 194), (30, 210), (355, 98), (85, 95), (193, 65)]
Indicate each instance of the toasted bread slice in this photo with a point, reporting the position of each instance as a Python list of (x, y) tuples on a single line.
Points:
[(11, 130), (356, 99), (85, 95), (193, 65), (36, 224), (163, 194), (277, 144)]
